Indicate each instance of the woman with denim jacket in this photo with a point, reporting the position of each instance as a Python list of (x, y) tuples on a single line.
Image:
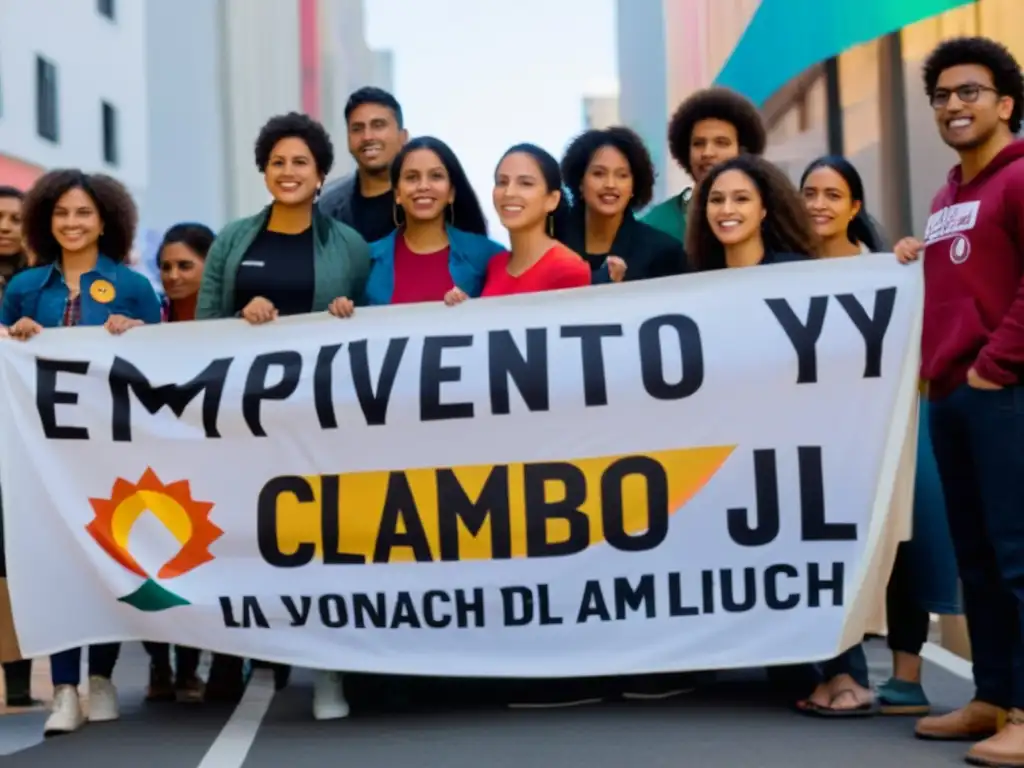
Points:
[(80, 228), (441, 242)]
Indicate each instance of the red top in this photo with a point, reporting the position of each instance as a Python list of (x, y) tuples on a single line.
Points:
[(974, 277), (420, 276), (180, 309), (558, 268)]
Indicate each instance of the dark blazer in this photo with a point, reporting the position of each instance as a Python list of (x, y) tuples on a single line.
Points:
[(771, 257), (648, 252), (336, 199)]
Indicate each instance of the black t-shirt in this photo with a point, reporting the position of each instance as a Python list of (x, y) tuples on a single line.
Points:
[(595, 260), (279, 268), (373, 217)]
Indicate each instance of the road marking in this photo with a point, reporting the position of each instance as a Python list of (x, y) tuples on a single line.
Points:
[(948, 660), (236, 738)]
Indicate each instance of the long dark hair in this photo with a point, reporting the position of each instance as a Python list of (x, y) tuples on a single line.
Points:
[(465, 211), (559, 219), (198, 237), (861, 229), (786, 227)]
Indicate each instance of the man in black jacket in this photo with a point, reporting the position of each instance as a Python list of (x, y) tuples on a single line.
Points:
[(364, 200)]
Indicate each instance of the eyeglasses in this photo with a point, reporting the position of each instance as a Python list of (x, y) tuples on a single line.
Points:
[(968, 93)]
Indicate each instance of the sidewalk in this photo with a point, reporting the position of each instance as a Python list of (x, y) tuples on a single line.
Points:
[(132, 664), (736, 726), (41, 689)]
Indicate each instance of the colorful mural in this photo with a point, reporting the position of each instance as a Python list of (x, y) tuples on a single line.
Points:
[(785, 37)]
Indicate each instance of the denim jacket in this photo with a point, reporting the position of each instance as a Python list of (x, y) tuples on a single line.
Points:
[(469, 254), (108, 289)]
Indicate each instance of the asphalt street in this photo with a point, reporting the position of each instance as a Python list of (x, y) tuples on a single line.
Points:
[(733, 725)]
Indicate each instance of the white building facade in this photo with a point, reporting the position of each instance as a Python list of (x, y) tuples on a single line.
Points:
[(73, 89), (348, 63), (600, 112), (216, 71), (188, 142), (644, 79), (169, 95)]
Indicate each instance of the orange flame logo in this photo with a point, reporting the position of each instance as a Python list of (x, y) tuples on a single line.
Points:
[(187, 519)]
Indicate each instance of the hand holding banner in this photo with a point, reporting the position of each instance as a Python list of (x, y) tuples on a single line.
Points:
[(675, 474)]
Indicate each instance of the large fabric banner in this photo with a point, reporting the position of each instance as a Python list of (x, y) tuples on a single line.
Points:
[(694, 472)]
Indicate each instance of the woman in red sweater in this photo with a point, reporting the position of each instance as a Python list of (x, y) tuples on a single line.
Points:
[(529, 201)]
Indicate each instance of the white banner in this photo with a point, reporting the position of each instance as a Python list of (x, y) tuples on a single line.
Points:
[(687, 473)]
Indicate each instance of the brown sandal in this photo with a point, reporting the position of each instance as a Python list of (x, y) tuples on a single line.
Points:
[(866, 709)]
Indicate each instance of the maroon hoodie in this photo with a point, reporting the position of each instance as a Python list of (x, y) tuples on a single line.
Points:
[(973, 271)]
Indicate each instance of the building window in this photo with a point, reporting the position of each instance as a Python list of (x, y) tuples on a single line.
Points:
[(110, 154), (47, 113), (106, 8)]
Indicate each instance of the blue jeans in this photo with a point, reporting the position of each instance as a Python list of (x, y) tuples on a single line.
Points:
[(978, 437), (66, 666), (852, 662)]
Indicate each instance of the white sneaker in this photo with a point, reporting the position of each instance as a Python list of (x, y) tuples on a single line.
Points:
[(66, 715), (102, 701), (329, 701)]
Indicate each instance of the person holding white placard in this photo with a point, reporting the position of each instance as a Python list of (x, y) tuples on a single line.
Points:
[(289, 259), (748, 213), (81, 228)]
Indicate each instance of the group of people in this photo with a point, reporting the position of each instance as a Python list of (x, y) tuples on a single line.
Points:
[(408, 227)]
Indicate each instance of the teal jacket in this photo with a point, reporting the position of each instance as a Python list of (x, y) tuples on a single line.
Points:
[(670, 216), (469, 254), (341, 263)]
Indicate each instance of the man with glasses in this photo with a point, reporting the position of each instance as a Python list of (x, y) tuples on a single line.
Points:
[(972, 358)]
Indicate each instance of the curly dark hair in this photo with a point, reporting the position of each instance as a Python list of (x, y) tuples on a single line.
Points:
[(299, 126), (786, 229), (985, 52), (582, 149), (716, 104), (113, 203)]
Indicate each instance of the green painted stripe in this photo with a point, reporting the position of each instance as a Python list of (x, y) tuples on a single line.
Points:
[(786, 37)]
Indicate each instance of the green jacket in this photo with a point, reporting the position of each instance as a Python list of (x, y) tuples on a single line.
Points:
[(341, 263), (670, 216)]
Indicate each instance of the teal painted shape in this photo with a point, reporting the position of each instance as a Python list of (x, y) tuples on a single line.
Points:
[(151, 597), (786, 37)]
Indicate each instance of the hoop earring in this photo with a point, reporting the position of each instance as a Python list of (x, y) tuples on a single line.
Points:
[(551, 225), (394, 215), (451, 215)]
